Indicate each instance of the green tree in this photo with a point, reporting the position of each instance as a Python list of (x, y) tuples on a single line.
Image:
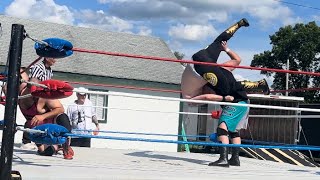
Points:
[(300, 44), (178, 55)]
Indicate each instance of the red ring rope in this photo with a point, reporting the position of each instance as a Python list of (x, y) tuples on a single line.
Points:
[(192, 62)]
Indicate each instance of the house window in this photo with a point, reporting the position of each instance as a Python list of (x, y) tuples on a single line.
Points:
[(100, 103)]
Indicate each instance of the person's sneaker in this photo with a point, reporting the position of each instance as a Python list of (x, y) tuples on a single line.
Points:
[(243, 22), (71, 151), (68, 154)]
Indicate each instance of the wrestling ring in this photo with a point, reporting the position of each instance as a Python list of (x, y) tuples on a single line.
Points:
[(176, 137)]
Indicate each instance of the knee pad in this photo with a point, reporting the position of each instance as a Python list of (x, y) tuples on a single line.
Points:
[(64, 121), (234, 134), (222, 132)]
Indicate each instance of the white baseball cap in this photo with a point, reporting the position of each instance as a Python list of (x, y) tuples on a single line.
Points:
[(83, 91)]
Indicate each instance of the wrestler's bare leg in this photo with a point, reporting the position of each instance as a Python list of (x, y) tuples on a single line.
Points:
[(191, 83)]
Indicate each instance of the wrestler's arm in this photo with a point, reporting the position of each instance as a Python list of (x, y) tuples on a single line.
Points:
[(24, 90), (235, 58), (54, 105), (22, 86), (213, 97), (24, 76), (209, 94)]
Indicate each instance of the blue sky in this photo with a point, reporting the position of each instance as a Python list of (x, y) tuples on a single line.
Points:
[(185, 25)]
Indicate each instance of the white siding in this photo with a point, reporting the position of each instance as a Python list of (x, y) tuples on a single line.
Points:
[(138, 121), (130, 121)]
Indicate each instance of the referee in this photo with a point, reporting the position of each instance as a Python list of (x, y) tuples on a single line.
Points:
[(42, 71), (39, 72)]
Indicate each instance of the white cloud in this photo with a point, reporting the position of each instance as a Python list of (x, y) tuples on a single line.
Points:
[(144, 31), (192, 32), (103, 1), (195, 15), (316, 17), (99, 20), (20, 8), (292, 21), (46, 10), (200, 11), (117, 1), (269, 15)]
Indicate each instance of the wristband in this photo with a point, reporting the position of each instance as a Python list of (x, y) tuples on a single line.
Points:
[(227, 50), (223, 98)]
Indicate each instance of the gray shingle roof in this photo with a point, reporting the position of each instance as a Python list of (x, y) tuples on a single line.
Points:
[(93, 64)]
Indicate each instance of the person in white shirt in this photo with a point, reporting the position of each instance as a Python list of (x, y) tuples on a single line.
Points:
[(82, 115)]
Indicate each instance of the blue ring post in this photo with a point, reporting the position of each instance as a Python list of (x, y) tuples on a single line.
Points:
[(9, 129)]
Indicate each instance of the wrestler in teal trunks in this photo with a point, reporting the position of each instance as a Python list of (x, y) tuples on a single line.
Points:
[(232, 115)]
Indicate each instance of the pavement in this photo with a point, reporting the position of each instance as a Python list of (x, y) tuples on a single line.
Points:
[(102, 163)]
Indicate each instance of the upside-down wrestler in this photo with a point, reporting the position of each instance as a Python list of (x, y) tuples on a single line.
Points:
[(225, 87)]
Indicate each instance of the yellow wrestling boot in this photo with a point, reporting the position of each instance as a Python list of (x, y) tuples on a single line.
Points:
[(260, 87), (228, 33), (232, 29)]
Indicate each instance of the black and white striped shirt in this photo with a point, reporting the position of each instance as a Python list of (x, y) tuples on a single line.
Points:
[(40, 71)]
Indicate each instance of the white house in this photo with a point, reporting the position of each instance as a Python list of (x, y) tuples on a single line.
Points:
[(89, 69)]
